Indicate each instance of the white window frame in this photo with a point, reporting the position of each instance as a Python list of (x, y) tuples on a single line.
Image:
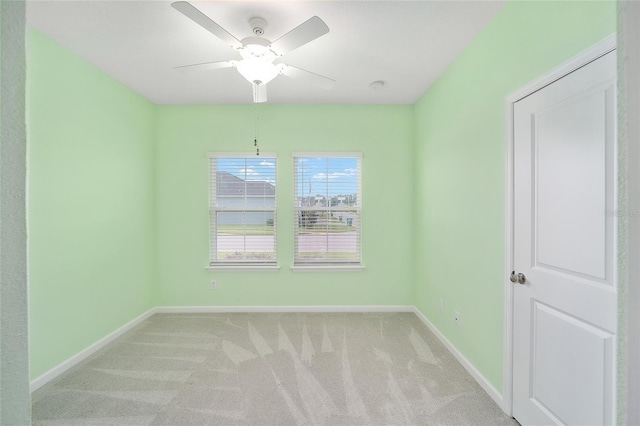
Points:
[(324, 265), (255, 266)]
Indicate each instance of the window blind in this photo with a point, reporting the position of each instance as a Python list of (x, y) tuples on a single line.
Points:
[(328, 204), (242, 205)]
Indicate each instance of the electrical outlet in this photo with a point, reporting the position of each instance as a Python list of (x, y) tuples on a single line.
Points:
[(441, 305), (214, 285), (456, 318)]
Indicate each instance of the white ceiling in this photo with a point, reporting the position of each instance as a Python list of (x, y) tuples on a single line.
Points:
[(406, 44)]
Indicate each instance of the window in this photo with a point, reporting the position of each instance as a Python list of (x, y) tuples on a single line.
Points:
[(328, 204), (242, 207)]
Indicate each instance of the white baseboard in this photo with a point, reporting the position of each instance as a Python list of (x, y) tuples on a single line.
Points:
[(45, 378), (279, 309), (85, 353), (471, 369)]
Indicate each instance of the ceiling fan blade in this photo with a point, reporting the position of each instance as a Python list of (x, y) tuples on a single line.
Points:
[(313, 78), (204, 21), (300, 35), (206, 66), (259, 93)]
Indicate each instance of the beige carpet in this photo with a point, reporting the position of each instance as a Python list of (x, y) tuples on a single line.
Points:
[(270, 369)]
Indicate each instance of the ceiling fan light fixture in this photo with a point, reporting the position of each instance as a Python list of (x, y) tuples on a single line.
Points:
[(258, 53), (257, 70)]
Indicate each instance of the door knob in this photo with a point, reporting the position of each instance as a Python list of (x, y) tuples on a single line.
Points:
[(517, 278)]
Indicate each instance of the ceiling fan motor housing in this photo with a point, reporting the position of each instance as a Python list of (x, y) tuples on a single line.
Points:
[(257, 47)]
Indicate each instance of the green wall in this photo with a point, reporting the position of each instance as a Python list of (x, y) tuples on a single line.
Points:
[(118, 203), (460, 166), (91, 200), (186, 133)]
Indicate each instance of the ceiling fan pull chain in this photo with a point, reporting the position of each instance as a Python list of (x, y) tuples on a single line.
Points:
[(255, 129)]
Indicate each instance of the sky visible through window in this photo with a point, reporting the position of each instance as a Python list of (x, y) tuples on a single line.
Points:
[(327, 177), (249, 169), (316, 176)]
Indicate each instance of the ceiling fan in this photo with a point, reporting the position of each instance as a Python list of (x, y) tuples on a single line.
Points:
[(258, 54)]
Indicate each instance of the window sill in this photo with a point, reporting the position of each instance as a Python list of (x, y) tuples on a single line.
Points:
[(327, 268), (243, 268)]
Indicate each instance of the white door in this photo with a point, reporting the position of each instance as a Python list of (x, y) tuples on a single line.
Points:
[(564, 318)]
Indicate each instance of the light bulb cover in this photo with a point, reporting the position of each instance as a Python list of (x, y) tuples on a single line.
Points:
[(257, 70)]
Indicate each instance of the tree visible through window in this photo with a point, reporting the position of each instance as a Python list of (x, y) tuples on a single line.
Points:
[(242, 209), (327, 202)]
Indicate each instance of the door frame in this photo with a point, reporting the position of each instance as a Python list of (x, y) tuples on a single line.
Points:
[(587, 56), (629, 67)]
